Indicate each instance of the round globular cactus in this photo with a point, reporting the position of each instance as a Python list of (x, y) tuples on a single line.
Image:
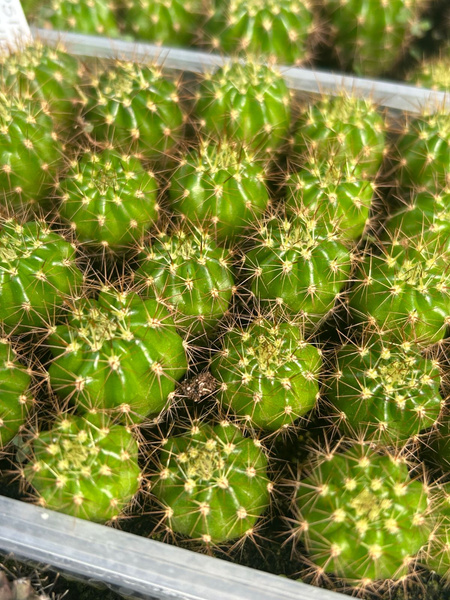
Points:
[(86, 467), (212, 483), (135, 108), (109, 199), (191, 273), (47, 74), (118, 353), (384, 391), (248, 102), (268, 373), (299, 266), (279, 31), (168, 22), (221, 187), (29, 150), (436, 556), (16, 396), (361, 516), (403, 291), (348, 129), (325, 190), (37, 273), (93, 17), (434, 74), (369, 36)]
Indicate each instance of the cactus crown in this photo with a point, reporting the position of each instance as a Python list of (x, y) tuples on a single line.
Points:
[(14, 245), (242, 77), (226, 155), (301, 233), (125, 79)]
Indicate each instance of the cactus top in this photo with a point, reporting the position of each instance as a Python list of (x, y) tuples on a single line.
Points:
[(94, 17), (361, 515), (212, 483), (434, 74)]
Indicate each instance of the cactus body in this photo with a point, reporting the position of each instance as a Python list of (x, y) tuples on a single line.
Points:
[(37, 273), (383, 391), (362, 516), (29, 150), (434, 74), (212, 483), (220, 187), (250, 103), (299, 266), (119, 353), (93, 17), (15, 395), (84, 466), (275, 30), (268, 373), (134, 108), (192, 274), (109, 199)]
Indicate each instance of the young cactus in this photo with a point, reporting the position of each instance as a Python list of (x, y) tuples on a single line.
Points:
[(37, 273), (434, 74), (16, 396), (248, 102), (86, 467), (109, 199), (383, 391), (221, 187), (276, 30), (268, 373), (190, 272), (212, 483), (361, 516), (118, 353)]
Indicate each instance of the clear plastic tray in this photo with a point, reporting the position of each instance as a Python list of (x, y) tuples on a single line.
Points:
[(136, 566)]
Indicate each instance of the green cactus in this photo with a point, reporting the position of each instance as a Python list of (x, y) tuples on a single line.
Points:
[(86, 467), (437, 555), (361, 516), (437, 446), (109, 199), (434, 73), (268, 373), (248, 102), (347, 129), (212, 483), (384, 391), (221, 187), (134, 108), (37, 273), (421, 156), (325, 190), (166, 22), (92, 17), (299, 266), (29, 150), (277, 30), (47, 74), (403, 291), (16, 396), (119, 353), (191, 273), (368, 36)]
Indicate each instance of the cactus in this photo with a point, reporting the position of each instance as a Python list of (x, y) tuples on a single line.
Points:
[(166, 22), (109, 199), (275, 30), (434, 74), (325, 190), (299, 266), (192, 274), (37, 273), (212, 483), (384, 391), (250, 103), (403, 291), (221, 187), (47, 74), (437, 446), (369, 36), (347, 129), (86, 467), (16, 396), (268, 373), (361, 515), (134, 108), (29, 149), (119, 353), (421, 156), (437, 555)]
